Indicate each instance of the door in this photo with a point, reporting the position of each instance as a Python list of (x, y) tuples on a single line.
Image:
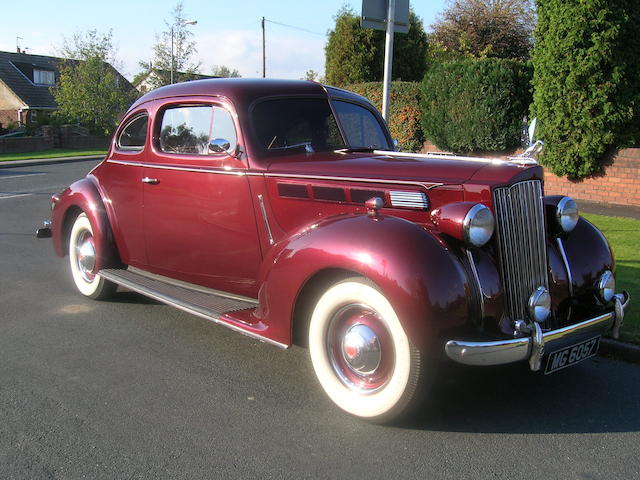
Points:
[(199, 221)]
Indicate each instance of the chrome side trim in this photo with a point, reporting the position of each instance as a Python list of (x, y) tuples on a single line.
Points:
[(241, 173), (474, 270), (238, 173), (563, 254), (438, 156), (424, 185), (266, 219), (409, 199)]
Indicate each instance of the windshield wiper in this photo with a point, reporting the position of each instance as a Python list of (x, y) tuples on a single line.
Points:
[(356, 149)]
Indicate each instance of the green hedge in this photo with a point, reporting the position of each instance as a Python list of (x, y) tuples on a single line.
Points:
[(476, 104), (404, 122), (587, 81)]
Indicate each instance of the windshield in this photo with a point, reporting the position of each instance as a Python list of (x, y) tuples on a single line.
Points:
[(295, 125)]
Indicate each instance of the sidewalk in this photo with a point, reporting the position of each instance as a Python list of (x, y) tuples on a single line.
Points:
[(47, 161)]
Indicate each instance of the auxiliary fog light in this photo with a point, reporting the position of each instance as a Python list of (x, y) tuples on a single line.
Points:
[(539, 305), (606, 287)]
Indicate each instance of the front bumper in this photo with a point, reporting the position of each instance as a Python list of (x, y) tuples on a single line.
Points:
[(534, 347)]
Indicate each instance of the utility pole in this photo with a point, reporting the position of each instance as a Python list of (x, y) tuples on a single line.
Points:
[(264, 61), (388, 59)]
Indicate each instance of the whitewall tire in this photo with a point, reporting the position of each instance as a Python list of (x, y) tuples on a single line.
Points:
[(82, 259), (361, 354)]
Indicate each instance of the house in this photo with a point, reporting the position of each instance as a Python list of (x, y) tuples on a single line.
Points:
[(146, 81), (25, 82)]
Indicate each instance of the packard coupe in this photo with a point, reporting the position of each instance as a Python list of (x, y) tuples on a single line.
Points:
[(282, 210)]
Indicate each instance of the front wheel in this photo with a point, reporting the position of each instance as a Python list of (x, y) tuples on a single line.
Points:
[(361, 354), (82, 259)]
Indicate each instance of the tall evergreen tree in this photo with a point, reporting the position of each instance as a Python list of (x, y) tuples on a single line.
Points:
[(586, 90), (354, 54)]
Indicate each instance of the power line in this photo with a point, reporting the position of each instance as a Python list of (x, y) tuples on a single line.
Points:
[(295, 28)]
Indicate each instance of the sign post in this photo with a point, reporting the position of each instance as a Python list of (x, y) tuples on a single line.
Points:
[(391, 16)]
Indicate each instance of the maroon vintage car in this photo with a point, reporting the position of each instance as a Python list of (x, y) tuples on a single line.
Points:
[(281, 210)]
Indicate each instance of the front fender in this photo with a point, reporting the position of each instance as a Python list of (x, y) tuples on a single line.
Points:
[(426, 284), (83, 196), (588, 255)]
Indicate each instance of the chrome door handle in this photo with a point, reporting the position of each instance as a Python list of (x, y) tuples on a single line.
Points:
[(151, 181)]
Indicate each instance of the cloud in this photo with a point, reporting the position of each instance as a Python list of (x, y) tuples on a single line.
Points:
[(288, 55)]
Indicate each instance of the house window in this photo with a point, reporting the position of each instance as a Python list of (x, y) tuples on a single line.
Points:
[(44, 77)]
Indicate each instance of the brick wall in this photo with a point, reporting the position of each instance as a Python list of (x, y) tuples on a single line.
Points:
[(8, 116), (25, 144), (620, 184)]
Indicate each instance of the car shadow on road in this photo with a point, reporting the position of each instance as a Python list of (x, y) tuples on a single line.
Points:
[(599, 395), (127, 296)]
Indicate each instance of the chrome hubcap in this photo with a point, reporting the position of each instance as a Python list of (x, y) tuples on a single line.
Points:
[(361, 349), (86, 256)]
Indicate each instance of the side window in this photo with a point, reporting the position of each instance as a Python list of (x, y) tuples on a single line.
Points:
[(134, 134), (186, 129), (360, 126), (223, 127)]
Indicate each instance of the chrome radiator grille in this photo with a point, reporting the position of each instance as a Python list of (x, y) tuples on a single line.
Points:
[(521, 242)]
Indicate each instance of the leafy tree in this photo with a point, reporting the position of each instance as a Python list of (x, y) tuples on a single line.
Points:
[(224, 71), (586, 92), (486, 28), (312, 76), (184, 50), (354, 54), (90, 91)]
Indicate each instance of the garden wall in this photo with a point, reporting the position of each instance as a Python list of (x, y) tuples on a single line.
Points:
[(25, 144), (620, 184)]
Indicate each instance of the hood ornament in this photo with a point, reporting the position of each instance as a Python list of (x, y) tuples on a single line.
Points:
[(530, 155)]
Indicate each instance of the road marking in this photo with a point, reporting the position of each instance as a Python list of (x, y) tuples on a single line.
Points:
[(24, 175), (4, 196)]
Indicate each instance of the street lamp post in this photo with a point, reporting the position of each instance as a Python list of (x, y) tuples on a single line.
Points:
[(186, 22)]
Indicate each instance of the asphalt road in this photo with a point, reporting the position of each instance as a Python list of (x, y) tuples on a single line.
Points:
[(134, 389)]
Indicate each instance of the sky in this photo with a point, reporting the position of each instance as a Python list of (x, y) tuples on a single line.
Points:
[(227, 33)]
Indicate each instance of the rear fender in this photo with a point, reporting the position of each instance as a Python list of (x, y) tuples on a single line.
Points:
[(423, 280), (83, 196)]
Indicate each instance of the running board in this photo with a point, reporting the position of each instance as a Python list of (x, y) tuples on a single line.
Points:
[(212, 305)]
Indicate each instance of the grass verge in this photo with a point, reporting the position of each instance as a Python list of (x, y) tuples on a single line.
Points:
[(624, 237), (55, 153)]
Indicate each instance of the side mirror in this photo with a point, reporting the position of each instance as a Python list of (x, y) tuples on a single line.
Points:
[(395, 145), (220, 145)]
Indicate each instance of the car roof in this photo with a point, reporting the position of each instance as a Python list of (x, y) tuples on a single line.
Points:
[(238, 90)]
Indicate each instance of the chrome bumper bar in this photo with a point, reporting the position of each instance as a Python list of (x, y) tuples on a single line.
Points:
[(532, 348)]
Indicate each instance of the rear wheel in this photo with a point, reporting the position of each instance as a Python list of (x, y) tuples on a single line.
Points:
[(82, 259), (361, 354)]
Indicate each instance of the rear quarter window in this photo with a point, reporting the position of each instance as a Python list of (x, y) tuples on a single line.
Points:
[(134, 134)]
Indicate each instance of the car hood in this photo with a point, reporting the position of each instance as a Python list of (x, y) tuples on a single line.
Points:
[(423, 169)]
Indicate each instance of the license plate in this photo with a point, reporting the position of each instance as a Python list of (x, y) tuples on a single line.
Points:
[(571, 355)]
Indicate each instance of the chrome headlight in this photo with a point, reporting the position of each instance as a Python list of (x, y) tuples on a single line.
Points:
[(478, 225), (606, 287), (567, 214)]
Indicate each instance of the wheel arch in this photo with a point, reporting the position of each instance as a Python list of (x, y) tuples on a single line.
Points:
[(84, 196), (424, 281)]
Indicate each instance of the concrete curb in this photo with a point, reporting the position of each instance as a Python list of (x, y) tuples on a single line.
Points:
[(48, 161), (626, 351)]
